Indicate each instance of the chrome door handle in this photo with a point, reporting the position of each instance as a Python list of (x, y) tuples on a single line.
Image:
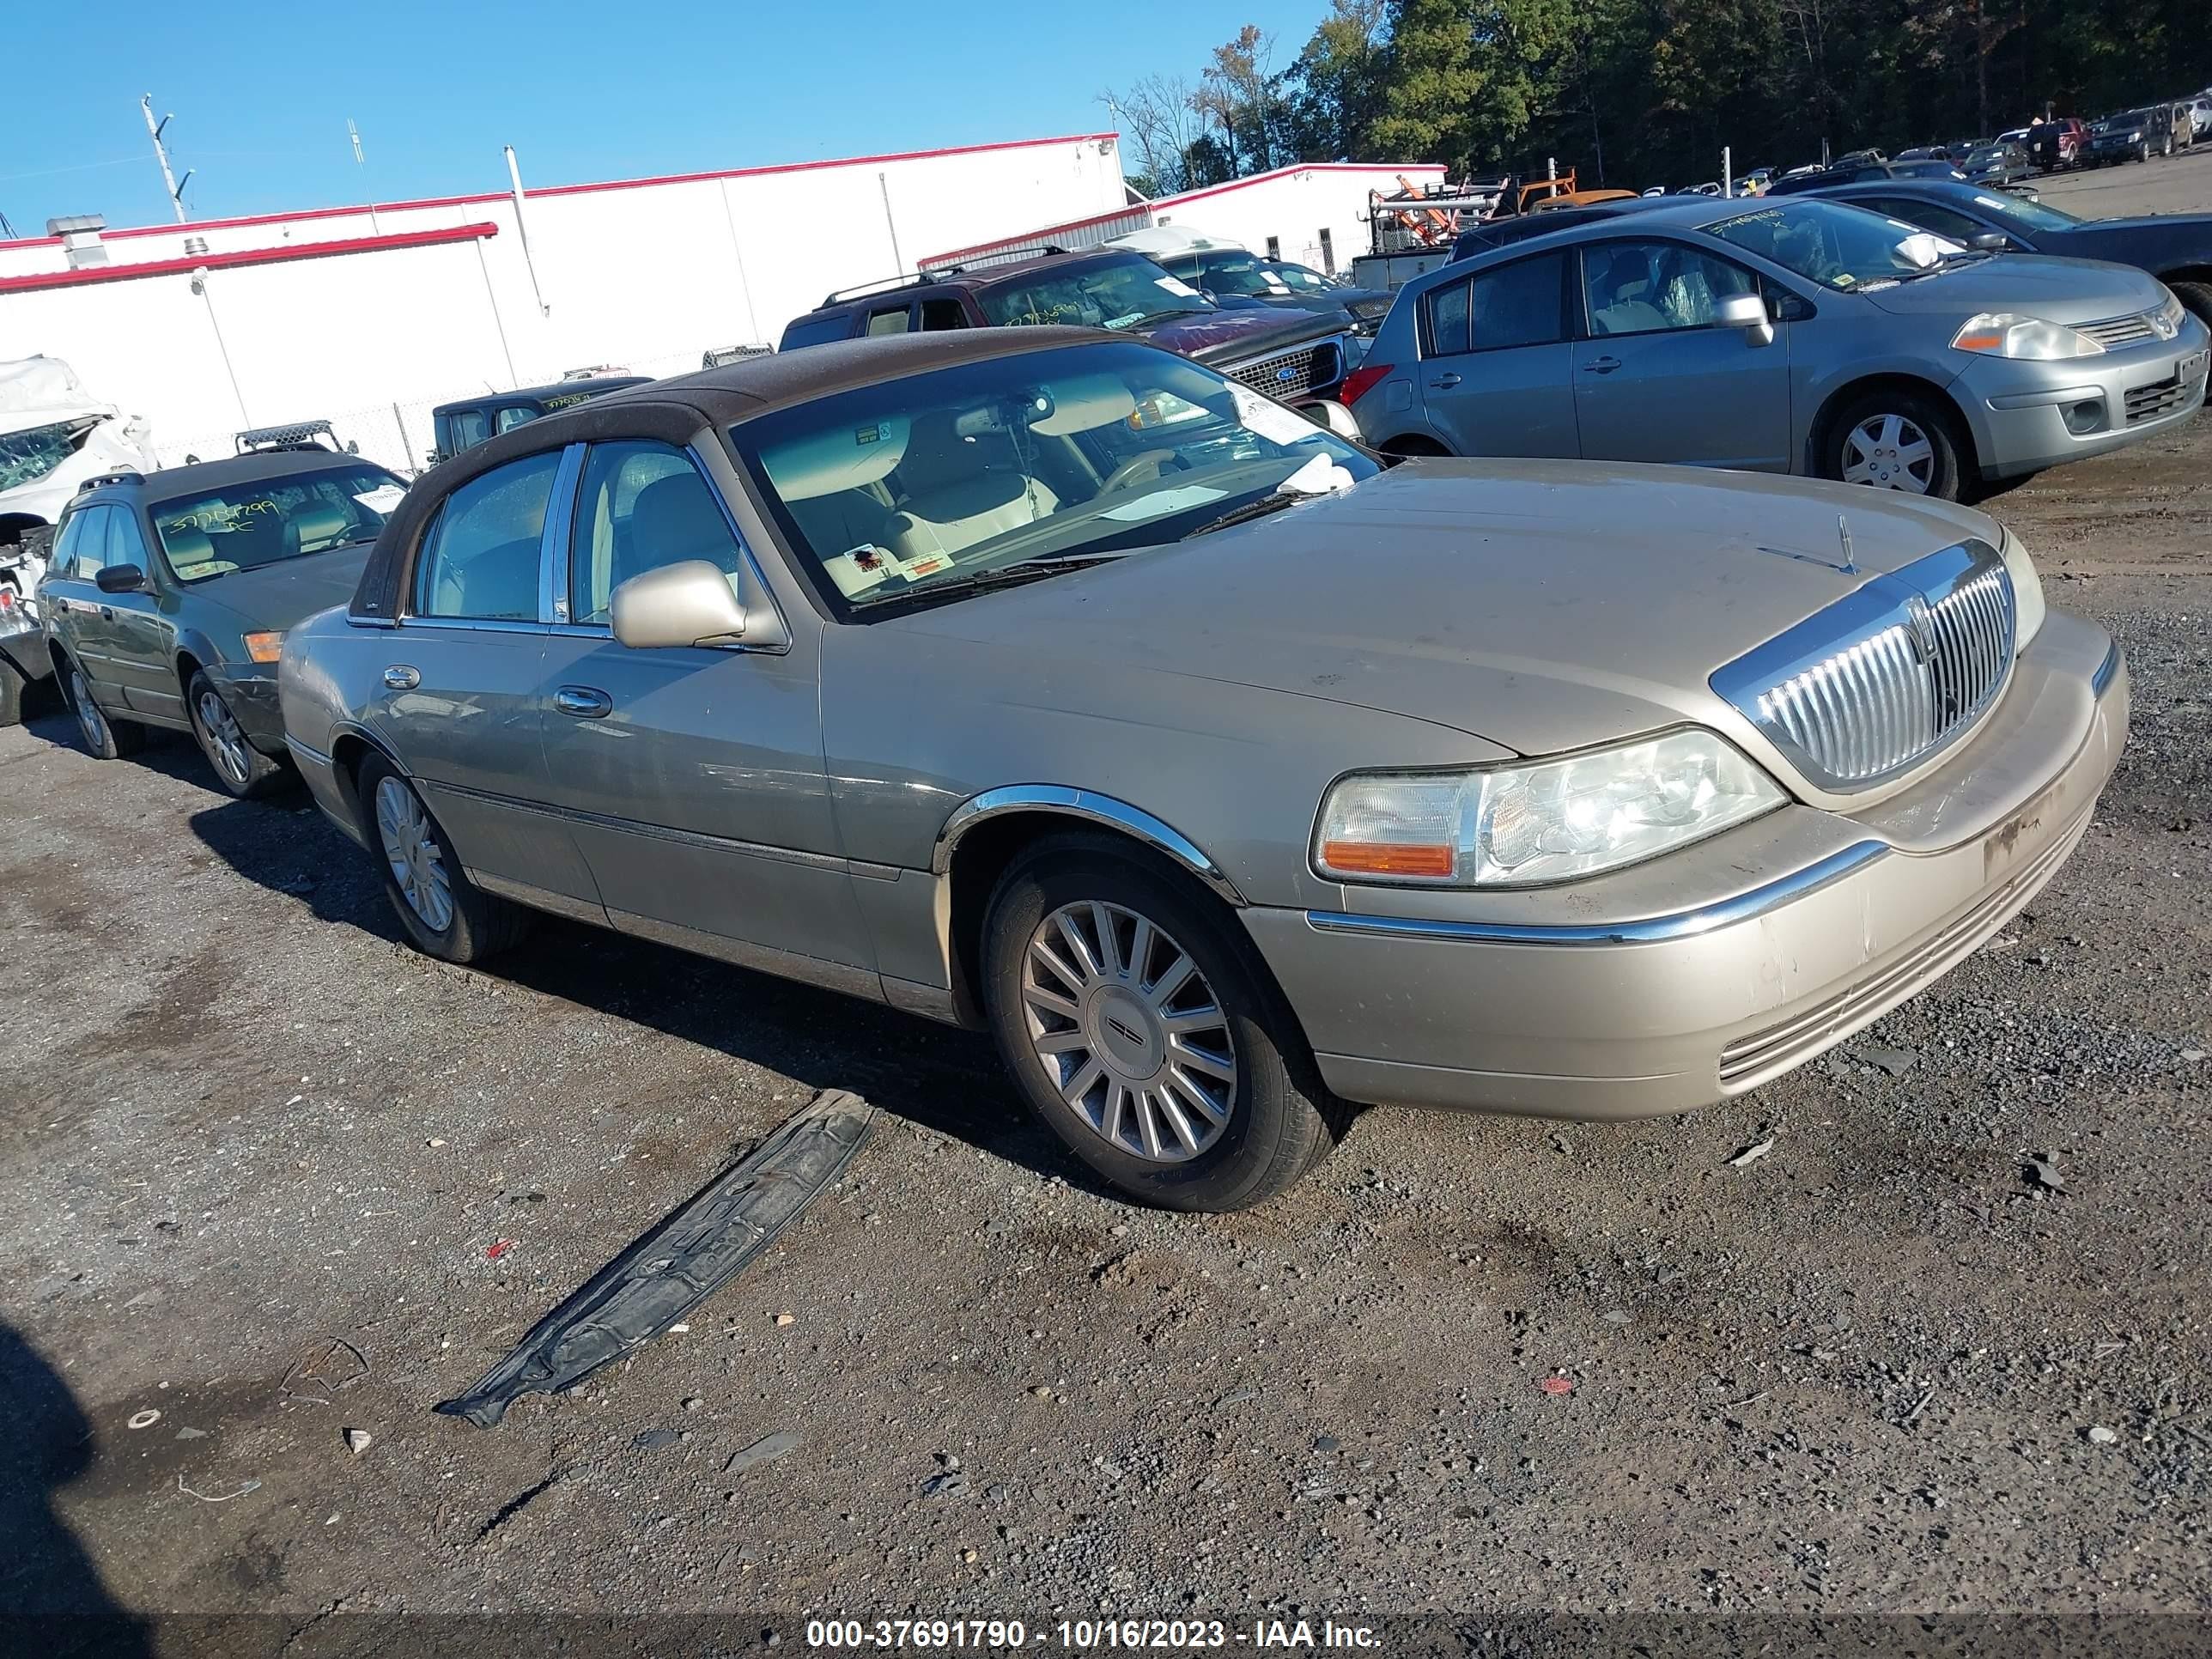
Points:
[(586, 702), (1601, 365), (1444, 382), (400, 678)]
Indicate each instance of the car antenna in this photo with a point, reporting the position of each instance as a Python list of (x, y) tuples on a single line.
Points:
[(1843, 530)]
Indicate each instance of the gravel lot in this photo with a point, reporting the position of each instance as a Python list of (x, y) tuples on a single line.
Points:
[(1879, 1370)]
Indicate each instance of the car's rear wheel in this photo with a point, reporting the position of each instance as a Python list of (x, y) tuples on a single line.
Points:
[(242, 768), (1896, 440), (1135, 1019), (105, 738), (445, 914)]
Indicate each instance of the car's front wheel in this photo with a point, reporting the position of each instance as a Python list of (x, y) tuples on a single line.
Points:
[(106, 740), (445, 914), (1896, 440), (1136, 1020), (11, 694), (242, 768)]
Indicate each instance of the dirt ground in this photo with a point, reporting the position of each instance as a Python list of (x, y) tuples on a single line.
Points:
[(1880, 1370)]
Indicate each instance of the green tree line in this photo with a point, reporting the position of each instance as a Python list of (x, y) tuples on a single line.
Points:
[(1641, 92)]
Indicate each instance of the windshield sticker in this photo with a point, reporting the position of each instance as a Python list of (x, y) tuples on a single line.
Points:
[(382, 499), (1269, 418), (1161, 502), (1124, 320), (859, 570), (1176, 285)]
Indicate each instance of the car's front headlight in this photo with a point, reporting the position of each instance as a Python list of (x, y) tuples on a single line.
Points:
[(1543, 821), (2027, 591), (2007, 334)]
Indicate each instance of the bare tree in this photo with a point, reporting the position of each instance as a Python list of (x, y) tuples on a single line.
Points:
[(1159, 115)]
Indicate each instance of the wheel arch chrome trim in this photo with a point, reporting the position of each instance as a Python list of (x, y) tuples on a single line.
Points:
[(1651, 930), (1085, 805)]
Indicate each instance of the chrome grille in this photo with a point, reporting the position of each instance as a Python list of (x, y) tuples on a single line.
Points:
[(1290, 373), (1884, 678), (2119, 331)]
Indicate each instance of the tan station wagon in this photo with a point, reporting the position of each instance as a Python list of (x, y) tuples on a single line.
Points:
[(1049, 681)]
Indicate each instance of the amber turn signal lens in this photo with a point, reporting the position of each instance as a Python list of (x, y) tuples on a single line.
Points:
[(264, 647), (1365, 858)]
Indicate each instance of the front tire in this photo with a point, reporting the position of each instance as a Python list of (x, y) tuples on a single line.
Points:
[(446, 915), (238, 765), (11, 694), (1899, 441), (1136, 1020), (103, 738)]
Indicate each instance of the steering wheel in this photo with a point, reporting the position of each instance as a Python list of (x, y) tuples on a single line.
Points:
[(1121, 475)]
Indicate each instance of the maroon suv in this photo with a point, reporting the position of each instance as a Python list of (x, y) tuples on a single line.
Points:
[(2055, 145)]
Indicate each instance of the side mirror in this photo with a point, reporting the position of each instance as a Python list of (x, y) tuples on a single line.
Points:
[(119, 579), (1748, 312), (1991, 241), (688, 602)]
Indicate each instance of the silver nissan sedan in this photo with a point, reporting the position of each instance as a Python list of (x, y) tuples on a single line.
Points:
[(1048, 682)]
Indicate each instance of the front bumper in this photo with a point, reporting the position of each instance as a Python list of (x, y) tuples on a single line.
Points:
[(249, 690), (1697, 976), (2026, 416)]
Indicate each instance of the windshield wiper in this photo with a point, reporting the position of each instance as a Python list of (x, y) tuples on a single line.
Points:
[(1007, 576), (1273, 501)]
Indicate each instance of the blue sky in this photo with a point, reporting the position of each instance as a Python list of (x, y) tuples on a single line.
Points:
[(262, 92)]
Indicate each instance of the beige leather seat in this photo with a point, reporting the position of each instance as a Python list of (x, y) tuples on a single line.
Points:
[(1621, 285), (956, 491)]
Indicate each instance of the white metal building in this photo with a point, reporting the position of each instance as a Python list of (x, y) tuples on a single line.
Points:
[(1313, 214), (369, 315)]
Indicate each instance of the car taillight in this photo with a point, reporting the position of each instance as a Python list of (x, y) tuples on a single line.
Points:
[(1362, 381)]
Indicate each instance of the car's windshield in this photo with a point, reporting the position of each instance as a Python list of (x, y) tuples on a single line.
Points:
[(2036, 216), (1838, 246), (1299, 275), (1115, 293), (31, 453), (893, 489), (244, 525), (1987, 155), (1241, 273)]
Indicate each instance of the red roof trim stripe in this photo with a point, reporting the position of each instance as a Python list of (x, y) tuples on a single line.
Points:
[(91, 276), (483, 198)]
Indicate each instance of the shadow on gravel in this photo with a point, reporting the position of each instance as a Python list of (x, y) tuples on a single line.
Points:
[(50, 1596), (942, 1080)]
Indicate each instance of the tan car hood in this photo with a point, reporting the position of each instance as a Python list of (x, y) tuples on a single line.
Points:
[(1541, 605)]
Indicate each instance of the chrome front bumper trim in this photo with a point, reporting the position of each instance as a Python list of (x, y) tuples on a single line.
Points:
[(1683, 924)]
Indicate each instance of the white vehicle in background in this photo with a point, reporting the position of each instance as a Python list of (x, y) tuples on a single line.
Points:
[(53, 437)]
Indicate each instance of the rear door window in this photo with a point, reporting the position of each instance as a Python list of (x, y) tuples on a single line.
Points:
[(469, 428), (892, 319), (480, 559), (86, 529), (511, 416), (816, 330), (1514, 305), (937, 315)]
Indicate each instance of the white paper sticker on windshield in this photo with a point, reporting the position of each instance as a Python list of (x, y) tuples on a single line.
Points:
[(1269, 418), (1176, 285), (382, 499), (864, 567), (1161, 502)]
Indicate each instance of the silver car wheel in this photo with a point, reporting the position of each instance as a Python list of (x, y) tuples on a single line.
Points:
[(1889, 451), (89, 719), (226, 742), (1128, 1032), (410, 848)]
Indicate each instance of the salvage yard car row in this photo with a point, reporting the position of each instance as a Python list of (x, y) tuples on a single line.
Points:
[(1233, 771)]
